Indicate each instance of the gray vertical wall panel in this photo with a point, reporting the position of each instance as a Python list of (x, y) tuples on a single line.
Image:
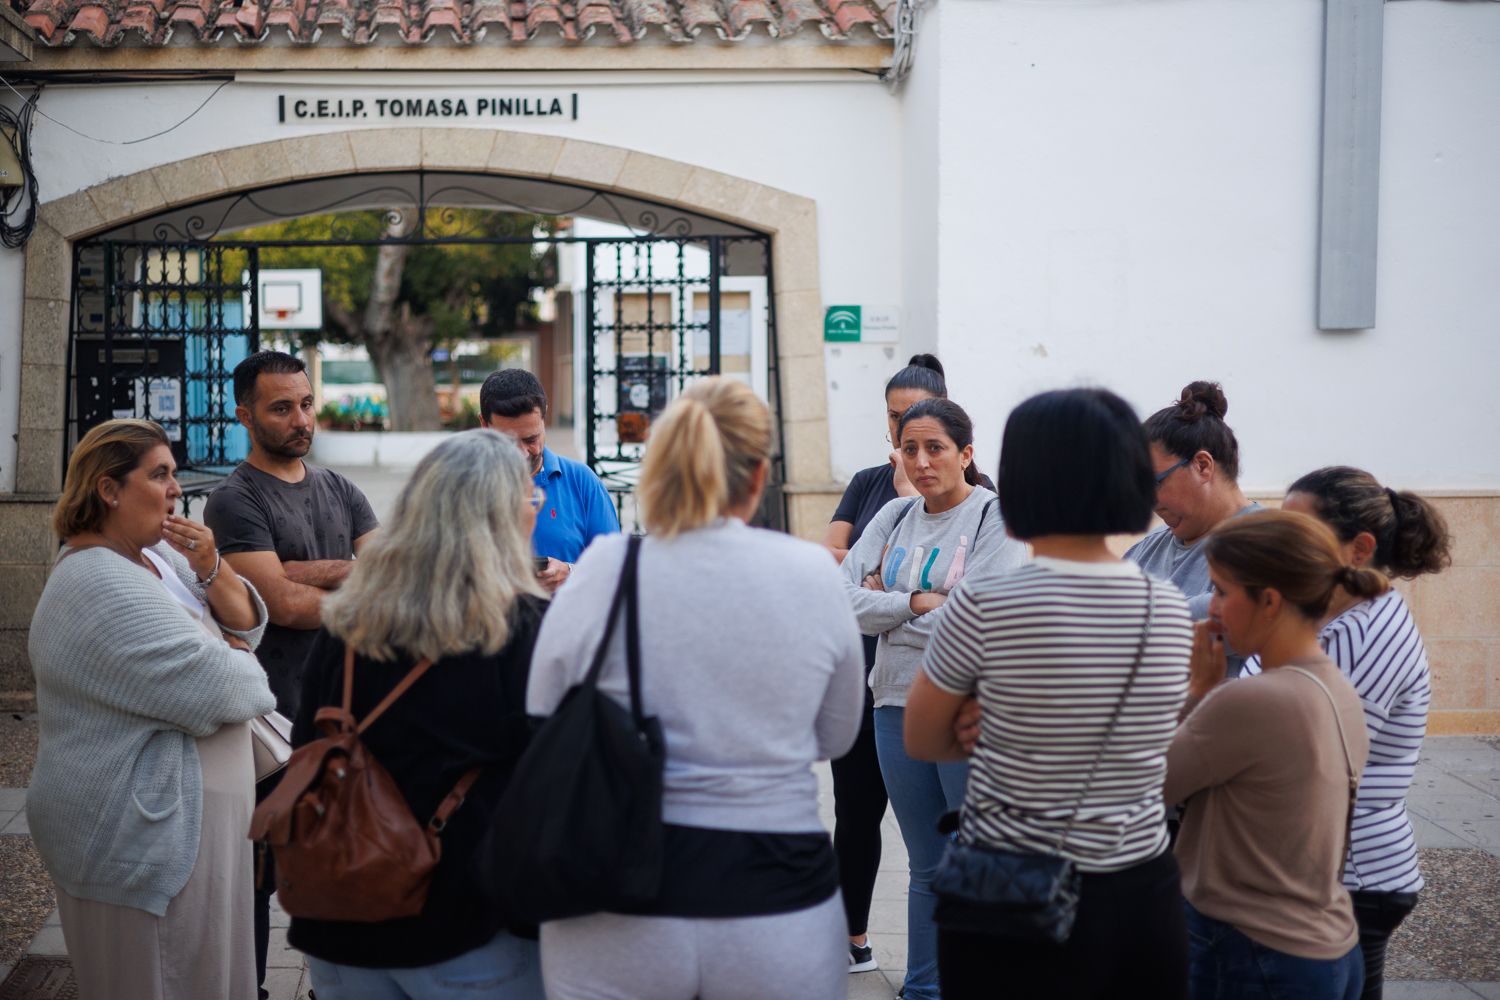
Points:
[(1353, 37)]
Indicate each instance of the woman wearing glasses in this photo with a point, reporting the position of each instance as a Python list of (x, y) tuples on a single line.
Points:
[(1197, 461)]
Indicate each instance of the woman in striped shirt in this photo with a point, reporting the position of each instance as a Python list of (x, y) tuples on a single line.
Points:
[(1376, 645), (1051, 649)]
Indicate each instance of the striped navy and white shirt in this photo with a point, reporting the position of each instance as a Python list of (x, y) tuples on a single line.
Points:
[(1377, 646), (1048, 649)]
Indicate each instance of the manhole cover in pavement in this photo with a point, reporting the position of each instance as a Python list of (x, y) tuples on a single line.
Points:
[(40, 979)]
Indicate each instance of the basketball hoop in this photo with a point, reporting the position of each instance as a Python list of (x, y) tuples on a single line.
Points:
[(281, 314)]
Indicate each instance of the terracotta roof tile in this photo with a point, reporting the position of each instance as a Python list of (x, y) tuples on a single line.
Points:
[(61, 23)]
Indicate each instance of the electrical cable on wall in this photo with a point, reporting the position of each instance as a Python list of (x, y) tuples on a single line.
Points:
[(115, 142), (18, 203)]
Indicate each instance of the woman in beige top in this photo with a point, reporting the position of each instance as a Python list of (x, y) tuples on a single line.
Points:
[(1267, 768)]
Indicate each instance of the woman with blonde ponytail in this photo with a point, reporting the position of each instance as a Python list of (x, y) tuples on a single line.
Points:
[(751, 661), (1267, 767), (1375, 642)]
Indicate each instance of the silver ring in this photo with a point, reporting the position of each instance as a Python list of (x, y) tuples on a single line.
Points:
[(192, 545)]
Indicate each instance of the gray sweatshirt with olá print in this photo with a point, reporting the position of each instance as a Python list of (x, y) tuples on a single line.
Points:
[(914, 551)]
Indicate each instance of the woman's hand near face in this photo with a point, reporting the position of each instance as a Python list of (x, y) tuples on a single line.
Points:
[(1208, 664), (228, 599), (902, 482), (195, 541)]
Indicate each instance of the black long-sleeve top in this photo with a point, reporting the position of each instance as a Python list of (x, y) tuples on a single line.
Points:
[(466, 711)]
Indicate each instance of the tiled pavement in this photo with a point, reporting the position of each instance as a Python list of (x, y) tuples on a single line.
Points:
[(1455, 802)]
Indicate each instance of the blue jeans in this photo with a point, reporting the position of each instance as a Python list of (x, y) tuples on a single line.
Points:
[(920, 794), (1224, 964), (508, 968)]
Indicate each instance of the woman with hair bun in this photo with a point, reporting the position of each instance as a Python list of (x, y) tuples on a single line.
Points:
[(859, 797), (1375, 642), (1267, 767), (1196, 459), (899, 576), (750, 660)]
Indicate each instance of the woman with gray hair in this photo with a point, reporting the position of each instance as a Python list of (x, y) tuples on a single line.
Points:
[(449, 580)]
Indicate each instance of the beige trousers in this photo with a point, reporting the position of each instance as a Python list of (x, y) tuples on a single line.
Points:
[(204, 947)]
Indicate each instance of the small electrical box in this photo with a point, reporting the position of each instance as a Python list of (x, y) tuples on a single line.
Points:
[(10, 163)]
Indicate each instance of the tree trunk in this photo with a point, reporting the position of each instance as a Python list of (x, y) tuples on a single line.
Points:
[(406, 368), (399, 345)]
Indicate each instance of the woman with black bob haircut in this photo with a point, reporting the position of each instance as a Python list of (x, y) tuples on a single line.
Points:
[(859, 798), (900, 578), (1079, 661), (1375, 643)]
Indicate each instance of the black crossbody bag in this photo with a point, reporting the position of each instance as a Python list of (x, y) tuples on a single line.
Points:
[(579, 828), (1016, 895)]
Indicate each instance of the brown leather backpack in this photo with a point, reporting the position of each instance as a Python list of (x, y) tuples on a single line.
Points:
[(346, 844)]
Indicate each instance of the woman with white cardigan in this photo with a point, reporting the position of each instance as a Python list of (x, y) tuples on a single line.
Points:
[(144, 783)]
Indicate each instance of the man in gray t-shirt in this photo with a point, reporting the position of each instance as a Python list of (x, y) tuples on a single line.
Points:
[(315, 520), (289, 527)]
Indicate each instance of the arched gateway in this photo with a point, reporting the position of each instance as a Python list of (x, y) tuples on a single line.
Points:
[(631, 186)]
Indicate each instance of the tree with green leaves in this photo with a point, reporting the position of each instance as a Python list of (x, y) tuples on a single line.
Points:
[(400, 298)]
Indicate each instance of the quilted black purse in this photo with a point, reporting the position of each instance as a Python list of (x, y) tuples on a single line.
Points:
[(1024, 897)]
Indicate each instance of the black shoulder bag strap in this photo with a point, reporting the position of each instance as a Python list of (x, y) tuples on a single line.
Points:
[(626, 594), (902, 516), (982, 512)]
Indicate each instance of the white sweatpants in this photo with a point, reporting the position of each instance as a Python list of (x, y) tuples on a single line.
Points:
[(802, 955)]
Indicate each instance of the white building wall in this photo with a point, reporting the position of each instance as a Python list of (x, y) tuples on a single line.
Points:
[(830, 136), (1129, 197), (1111, 192)]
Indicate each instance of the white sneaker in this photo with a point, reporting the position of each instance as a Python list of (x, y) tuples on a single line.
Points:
[(862, 957)]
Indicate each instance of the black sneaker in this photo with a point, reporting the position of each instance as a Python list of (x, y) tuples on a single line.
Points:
[(861, 957)]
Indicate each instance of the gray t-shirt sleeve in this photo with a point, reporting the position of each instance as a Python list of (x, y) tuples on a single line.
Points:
[(362, 519), (239, 523)]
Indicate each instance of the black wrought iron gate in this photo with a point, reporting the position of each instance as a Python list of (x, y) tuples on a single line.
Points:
[(661, 314), (156, 330)]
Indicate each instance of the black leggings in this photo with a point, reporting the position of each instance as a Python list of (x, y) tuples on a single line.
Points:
[(859, 802), (1130, 940), (1378, 914)]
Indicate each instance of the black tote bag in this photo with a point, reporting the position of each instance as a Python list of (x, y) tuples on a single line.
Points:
[(579, 828)]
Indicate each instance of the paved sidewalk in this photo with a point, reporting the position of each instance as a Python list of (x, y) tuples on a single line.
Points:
[(1455, 802)]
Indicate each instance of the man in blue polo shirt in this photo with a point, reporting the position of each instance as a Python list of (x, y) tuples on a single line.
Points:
[(575, 508)]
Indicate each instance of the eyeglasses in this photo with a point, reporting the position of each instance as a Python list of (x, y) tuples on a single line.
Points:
[(1161, 476), (538, 497)]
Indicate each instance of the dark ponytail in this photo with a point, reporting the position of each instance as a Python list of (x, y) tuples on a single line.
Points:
[(1411, 537), (1196, 423), (956, 424), (924, 372), (1363, 583)]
